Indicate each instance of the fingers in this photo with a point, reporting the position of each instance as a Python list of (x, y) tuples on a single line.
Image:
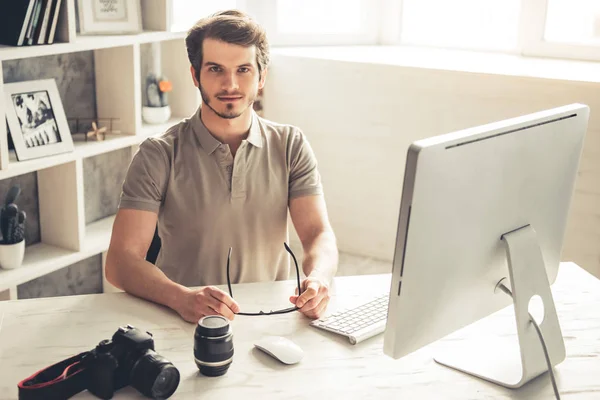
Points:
[(213, 301), (319, 310), (224, 298), (313, 301), (312, 289), (218, 307)]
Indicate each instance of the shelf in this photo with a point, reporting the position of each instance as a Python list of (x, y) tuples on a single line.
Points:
[(23, 167), (84, 149), (83, 43), (97, 236), (149, 130), (41, 259), (117, 69), (110, 143)]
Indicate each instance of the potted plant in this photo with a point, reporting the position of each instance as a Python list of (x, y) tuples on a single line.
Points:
[(157, 110), (12, 226)]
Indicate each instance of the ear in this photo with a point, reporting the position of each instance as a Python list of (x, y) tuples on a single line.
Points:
[(193, 72), (262, 79)]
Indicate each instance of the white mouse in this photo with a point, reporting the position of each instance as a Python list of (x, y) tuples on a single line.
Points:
[(281, 349)]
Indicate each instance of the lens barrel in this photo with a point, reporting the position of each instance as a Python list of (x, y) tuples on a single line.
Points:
[(213, 345), (154, 376)]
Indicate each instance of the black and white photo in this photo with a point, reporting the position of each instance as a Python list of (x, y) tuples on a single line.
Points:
[(36, 119)]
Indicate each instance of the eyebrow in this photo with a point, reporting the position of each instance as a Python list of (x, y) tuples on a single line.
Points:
[(210, 63)]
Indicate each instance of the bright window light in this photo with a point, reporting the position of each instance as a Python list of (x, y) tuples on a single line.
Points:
[(185, 13), (479, 24), (573, 21), (319, 16)]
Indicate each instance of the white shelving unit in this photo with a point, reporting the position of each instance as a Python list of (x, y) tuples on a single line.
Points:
[(65, 238)]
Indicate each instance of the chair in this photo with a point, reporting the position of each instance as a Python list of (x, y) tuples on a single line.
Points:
[(154, 248)]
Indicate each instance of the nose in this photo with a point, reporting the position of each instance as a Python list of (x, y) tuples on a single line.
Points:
[(230, 82)]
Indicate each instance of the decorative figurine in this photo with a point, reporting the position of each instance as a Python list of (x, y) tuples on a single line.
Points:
[(95, 133)]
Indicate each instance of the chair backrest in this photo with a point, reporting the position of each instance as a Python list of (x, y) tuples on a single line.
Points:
[(154, 248)]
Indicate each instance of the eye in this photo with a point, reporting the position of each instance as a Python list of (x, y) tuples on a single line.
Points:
[(214, 69), (244, 70)]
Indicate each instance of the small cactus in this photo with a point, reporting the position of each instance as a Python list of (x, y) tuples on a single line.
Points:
[(12, 221)]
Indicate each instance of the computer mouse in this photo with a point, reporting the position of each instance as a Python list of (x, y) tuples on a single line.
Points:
[(281, 349)]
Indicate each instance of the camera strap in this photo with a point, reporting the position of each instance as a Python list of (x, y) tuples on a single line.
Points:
[(58, 381)]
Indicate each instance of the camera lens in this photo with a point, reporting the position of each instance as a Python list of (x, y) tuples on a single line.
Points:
[(154, 376), (213, 345)]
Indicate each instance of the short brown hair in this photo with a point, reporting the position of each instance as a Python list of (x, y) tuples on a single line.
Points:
[(230, 26)]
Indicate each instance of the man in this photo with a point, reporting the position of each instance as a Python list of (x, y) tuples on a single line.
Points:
[(222, 178)]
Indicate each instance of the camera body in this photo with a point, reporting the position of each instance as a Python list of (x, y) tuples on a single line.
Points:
[(129, 359)]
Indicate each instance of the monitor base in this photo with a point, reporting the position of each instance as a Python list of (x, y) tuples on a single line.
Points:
[(512, 363)]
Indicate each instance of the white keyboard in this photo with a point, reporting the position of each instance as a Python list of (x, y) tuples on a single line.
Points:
[(359, 323)]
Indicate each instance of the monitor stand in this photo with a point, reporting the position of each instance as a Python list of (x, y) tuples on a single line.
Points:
[(514, 363)]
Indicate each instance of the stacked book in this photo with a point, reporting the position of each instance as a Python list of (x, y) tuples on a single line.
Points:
[(28, 22)]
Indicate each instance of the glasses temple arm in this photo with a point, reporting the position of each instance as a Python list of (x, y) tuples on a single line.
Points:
[(229, 280), (296, 264)]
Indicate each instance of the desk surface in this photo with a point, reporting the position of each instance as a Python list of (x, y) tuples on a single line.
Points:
[(37, 333)]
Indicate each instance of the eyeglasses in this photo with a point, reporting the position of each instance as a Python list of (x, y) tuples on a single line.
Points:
[(282, 311)]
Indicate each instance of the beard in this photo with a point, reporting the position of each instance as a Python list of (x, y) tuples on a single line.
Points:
[(229, 113)]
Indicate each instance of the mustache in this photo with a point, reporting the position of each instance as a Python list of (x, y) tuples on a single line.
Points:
[(229, 94)]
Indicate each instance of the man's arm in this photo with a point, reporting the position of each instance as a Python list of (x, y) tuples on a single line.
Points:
[(127, 268), (126, 265), (309, 215)]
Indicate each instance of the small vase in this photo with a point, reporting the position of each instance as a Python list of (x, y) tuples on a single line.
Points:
[(11, 255), (156, 115)]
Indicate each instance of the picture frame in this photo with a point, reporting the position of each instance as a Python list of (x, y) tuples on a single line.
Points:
[(109, 17), (36, 119)]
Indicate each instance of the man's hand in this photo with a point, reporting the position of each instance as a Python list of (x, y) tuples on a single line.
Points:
[(314, 298), (209, 300)]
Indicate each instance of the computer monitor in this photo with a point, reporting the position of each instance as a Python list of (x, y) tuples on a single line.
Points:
[(483, 213)]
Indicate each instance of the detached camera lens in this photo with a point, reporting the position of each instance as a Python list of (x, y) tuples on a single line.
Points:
[(213, 345), (155, 376)]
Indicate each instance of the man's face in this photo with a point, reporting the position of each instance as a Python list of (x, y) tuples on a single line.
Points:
[(229, 78)]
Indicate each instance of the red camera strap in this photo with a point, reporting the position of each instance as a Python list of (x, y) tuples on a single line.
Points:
[(58, 381)]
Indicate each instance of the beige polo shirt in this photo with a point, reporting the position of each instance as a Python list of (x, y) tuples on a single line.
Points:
[(207, 201)]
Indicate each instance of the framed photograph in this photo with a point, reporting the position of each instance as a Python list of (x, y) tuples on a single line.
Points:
[(105, 17), (36, 119)]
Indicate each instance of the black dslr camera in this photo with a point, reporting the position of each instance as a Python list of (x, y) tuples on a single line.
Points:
[(129, 359)]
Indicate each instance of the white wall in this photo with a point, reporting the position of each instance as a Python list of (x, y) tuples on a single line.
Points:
[(361, 117)]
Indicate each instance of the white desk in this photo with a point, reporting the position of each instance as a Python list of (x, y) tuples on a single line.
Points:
[(37, 333)]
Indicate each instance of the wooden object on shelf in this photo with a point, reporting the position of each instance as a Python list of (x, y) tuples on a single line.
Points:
[(96, 133)]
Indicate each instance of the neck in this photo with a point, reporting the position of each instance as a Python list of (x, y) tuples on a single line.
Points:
[(229, 131)]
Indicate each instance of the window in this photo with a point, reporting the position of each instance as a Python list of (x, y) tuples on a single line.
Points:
[(319, 22), (185, 13), (293, 22), (318, 16), (573, 21), (561, 28), (554, 28), (481, 24)]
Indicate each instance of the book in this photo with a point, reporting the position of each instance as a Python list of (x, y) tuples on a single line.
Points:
[(54, 21), (45, 19), (14, 21), (33, 22)]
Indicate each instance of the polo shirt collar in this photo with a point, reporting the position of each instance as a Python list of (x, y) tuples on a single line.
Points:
[(210, 143)]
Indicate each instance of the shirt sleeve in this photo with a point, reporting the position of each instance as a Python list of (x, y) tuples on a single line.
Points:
[(305, 179), (146, 179)]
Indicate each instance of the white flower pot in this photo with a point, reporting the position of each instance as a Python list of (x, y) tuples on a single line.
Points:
[(156, 115), (11, 255)]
